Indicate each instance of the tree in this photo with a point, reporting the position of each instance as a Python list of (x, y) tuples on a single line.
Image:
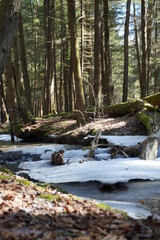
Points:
[(97, 54), (126, 33), (27, 89), (143, 39), (48, 56), (80, 101), (149, 41), (137, 47), (9, 11), (107, 85), (11, 98)]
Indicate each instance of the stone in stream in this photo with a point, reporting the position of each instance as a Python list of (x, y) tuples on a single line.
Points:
[(149, 149)]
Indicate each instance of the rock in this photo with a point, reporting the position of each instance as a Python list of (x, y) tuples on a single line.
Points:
[(149, 149), (57, 158)]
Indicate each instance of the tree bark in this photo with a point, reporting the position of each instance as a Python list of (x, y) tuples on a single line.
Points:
[(126, 34), (149, 42), (48, 51), (137, 49), (9, 11), (97, 55), (107, 92), (11, 98), (143, 32), (27, 89), (80, 100), (21, 100), (156, 69)]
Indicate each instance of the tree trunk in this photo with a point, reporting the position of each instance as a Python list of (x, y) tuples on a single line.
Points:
[(156, 71), (126, 34), (97, 54), (23, 59), (137, 49), (107, 92), (80, 101), (21, 100), (11, 97), (70, 86), (3, 114), (48, 47), (9, 11), (149, 36), (143, 32)]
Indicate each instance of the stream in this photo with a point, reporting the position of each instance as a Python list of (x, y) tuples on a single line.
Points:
[(139, 198)]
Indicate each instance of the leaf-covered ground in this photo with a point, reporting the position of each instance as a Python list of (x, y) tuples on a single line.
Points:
[(28, 211), (67, 131)]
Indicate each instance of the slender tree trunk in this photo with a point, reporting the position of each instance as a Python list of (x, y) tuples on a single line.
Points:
[(53, 75), (126, 60), (55, 79), (11, 97), (149, 42), (80, 101), (155, 49), (108, 70), (143, 32), (61, 86), (82, 36), (97, 54), (137, 49), (3, 114), (9, 11), (23, 59), (70, 86), (21, 100), (48, 47)]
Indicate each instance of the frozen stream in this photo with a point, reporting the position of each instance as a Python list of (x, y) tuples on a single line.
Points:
[(97, 179)]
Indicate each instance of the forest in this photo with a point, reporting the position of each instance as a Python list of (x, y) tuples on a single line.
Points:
[(72, 55), (79, 119)]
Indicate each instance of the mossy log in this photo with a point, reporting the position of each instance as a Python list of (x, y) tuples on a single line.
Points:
[(123, 109), (151, 102), (153, 99)]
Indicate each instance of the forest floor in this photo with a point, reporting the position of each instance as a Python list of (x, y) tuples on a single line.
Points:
[(29, 211), (62, 130)]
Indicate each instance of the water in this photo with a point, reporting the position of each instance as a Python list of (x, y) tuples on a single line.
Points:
[(138, 198)]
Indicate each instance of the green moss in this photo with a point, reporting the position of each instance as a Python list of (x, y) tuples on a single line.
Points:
[(103, 206), (150, 107), (24, 182), (93, 132), (44, 185), (49, 197), (5, 176), (6, 129), (86, 148), (5, 170), (108, 208), (146, 120)]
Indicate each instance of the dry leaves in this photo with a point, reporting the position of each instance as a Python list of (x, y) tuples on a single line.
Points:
[(24, 215)]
